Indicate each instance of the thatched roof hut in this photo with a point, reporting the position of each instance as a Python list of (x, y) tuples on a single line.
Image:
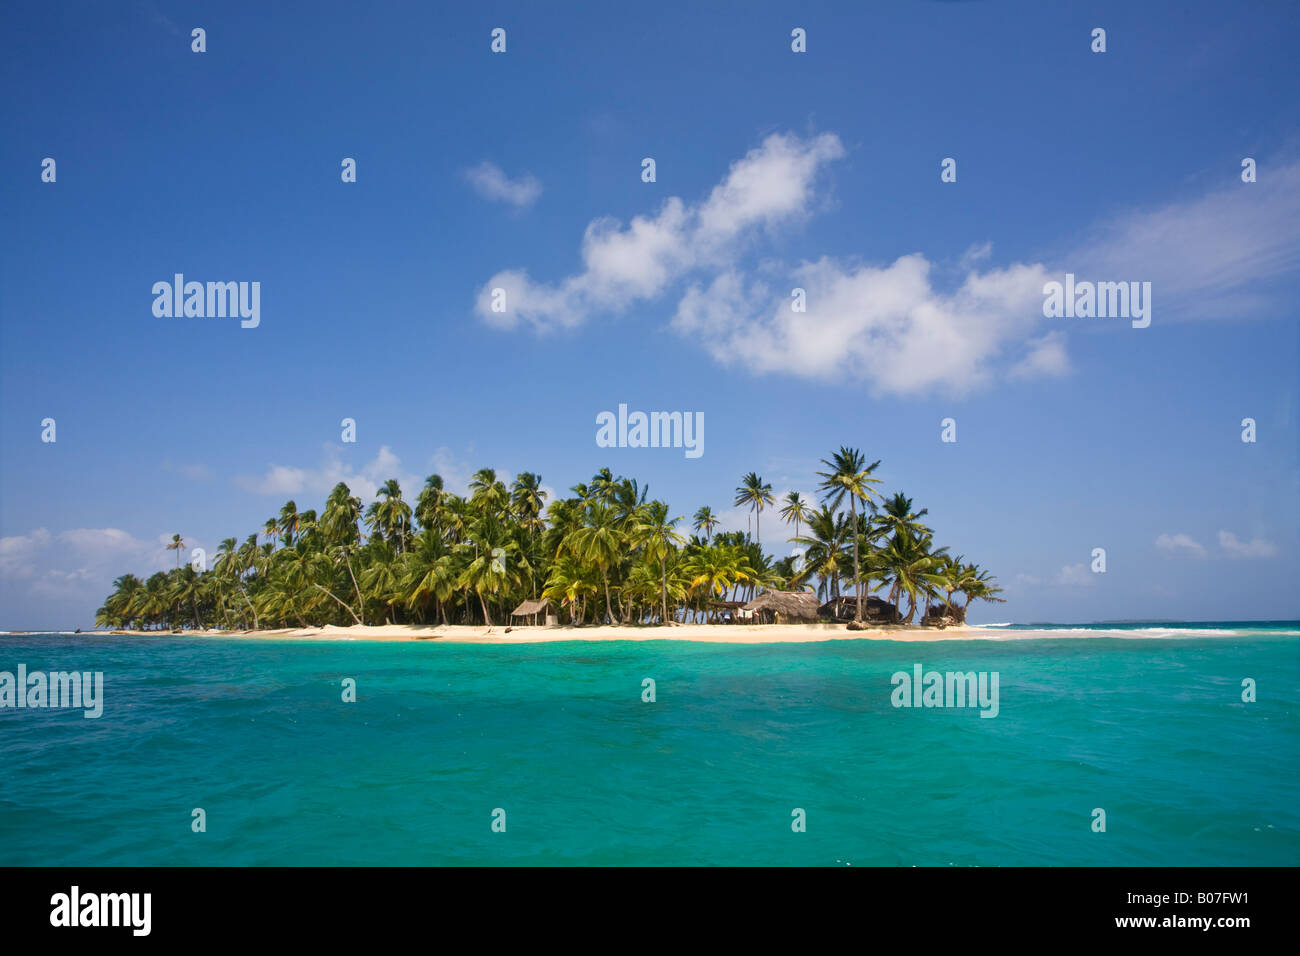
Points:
[(874, 609), (532, 609), (731, 611), (783, 607)]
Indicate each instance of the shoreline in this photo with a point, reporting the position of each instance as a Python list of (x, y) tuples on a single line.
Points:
[(699, 633), (537, 634)]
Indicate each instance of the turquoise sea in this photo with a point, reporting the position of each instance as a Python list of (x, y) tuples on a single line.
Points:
[(1149, 726)]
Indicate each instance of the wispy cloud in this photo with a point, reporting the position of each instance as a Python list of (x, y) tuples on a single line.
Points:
[(1210, 256), (1183, 543), (490, 182), (1076, 576), (1234, 547), (79, 564), (194, 472), (364, 480)]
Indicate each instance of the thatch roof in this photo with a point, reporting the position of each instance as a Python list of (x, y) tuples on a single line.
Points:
[(845, 607), (790, 605), (531, 607)]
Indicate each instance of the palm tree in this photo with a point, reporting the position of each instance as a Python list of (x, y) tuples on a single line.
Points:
[(504, 544), (825, 543), (977, 585), (382, 577), (429, 503), (849, 475), (176, 545), (755, 493), (289, 522), (339, 521), (796, 509), (654, 530), (431, 573), (713, 570), (895, 514), (571, 585), (488, 494), (488, 571), (599, 542), (914, 567), (705, 521), (390, 518)]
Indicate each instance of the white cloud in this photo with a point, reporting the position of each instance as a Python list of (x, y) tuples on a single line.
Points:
[(889, 327), (78, 565), (286, 480), (905, 327), (1234, 547), (770, 185), (490, 182), (17, 552), (1180, 542), (1044, 358), (69, 585)]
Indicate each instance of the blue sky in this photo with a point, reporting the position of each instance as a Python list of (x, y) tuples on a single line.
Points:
[(774, 170)]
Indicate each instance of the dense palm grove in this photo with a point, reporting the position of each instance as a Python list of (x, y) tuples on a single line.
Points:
[(606, 554)]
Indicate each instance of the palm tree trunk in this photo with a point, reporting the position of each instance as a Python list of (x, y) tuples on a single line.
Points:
[(361, 604), (857, 574), (486, 617), (341, 601), (609, 610)]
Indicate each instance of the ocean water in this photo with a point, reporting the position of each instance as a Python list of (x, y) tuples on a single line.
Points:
[(1152, 729)]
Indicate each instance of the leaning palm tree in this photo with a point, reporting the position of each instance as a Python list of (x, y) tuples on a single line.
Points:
[(977, 585), (755, 493), (849, 476)]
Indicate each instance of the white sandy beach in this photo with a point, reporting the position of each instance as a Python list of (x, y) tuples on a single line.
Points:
[(502, 634)]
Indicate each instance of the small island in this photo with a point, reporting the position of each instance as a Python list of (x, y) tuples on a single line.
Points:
[(608, 562)]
